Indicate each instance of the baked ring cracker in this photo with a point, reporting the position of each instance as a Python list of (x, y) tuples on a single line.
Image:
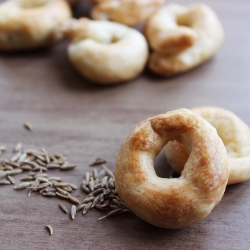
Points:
[(29, 24), (105, 52), (182, 37), (176, 202)]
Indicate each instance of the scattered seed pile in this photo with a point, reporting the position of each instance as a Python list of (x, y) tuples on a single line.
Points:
[(99, 186), (102, 194), (47, 186), (32, 160), (37, 162)]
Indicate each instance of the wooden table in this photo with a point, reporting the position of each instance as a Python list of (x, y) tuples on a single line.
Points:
[(84, 121)]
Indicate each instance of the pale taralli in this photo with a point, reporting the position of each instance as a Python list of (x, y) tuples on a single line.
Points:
[(182, 37), (176, 202), (28, 24), (105, 52), (235, 135), (128, 12)]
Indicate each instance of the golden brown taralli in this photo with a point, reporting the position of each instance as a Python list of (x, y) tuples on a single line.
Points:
[(176, 202)]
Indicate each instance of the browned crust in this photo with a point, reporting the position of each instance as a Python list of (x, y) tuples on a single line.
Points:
[(172, 203)]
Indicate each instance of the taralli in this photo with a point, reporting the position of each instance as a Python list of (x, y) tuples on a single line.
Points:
[(176, 202), (105, 52), (128, 12), (235, 135), (182, 37), (28, 24)]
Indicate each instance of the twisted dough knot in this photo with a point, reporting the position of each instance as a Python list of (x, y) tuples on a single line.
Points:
[(128, 12), (27, 24), (176, 202), (105, 52), (235, 135), (182, 37)]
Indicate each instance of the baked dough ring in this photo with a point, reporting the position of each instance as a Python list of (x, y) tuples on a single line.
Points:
[(128, 12), (235, 135), (106, 52), (28, 24), (176, 202), (182, 37)]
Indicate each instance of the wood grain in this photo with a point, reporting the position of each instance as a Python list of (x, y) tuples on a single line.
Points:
[(84, 121)]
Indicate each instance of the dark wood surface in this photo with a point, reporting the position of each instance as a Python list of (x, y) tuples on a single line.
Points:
[(84, 121)]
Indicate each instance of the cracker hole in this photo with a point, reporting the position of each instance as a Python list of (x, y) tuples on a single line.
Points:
[(183, 21), (162, 167)]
